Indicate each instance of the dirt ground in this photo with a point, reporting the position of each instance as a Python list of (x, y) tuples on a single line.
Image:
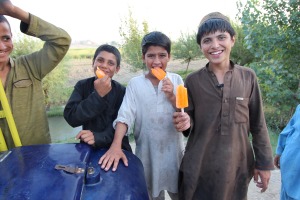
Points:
[(273, 191)]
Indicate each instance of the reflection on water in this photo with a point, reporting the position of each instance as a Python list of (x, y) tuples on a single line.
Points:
[(61, 131)]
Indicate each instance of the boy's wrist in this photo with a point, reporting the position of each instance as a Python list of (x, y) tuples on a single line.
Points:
[(172, 99)]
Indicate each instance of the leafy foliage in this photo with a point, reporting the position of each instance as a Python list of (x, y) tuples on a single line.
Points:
[(239, 53), (272, 30), (55, 85), (24, 45), (132, 38), (186, 48)]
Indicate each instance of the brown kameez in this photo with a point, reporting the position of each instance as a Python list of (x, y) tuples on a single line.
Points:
[(219, 160)]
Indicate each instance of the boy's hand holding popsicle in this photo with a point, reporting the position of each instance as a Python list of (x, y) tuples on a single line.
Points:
[(181, 119), (100, 73), (103, 83), (167, 85)]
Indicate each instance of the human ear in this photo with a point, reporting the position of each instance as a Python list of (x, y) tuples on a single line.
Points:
[(233, 41), (143, 58), (117, 69), (169, 57)]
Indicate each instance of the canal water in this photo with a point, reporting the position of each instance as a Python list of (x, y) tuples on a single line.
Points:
[(61, 131)]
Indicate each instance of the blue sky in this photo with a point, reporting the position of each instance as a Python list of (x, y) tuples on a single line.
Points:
[(99, 20)]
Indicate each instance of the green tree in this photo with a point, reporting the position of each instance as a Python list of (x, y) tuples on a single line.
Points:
[(55, 85), (24, 45), (186, 49), (239, 53), (272, 30), (132, 38), (55, 81)]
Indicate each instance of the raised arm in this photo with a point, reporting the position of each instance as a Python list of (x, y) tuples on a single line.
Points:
[(57, 41), (7, 8)]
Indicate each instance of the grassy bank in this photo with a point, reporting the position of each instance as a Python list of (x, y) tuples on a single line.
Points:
[(55, 111)]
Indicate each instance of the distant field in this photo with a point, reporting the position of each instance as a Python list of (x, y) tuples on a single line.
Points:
[(82, 68), (79, 53)]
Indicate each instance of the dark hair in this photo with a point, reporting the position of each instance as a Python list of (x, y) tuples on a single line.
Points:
[(213, 25), (156, 38), (4, 20), (110, 49)]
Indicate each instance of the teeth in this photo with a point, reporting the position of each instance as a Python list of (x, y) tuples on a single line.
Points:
[(217, 52)]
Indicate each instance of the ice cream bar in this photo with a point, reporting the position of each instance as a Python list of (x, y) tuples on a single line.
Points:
[(158, 73), (100, 73), (181, 97)]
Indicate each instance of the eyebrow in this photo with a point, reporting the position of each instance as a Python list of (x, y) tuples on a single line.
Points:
[(206, 36)]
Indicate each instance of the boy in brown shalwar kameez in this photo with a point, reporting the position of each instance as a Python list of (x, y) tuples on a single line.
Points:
[(225, 105)]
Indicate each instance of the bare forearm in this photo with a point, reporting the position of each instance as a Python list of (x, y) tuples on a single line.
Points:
[(21, 15), (115, 153), (172, 100), (14, 11), (120, 132)]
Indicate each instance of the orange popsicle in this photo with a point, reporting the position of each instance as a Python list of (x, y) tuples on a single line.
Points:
[(181, 97), (158, 73), (100, 73)]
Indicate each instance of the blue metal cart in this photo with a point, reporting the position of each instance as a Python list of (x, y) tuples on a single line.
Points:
[(67, 172)]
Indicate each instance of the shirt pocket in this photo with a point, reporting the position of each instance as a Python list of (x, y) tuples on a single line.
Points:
[(23, 83), (22, 90), (241, 113)]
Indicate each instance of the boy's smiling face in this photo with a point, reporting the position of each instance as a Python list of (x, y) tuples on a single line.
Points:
[(156, 56), (216, 47), (107, 62)]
